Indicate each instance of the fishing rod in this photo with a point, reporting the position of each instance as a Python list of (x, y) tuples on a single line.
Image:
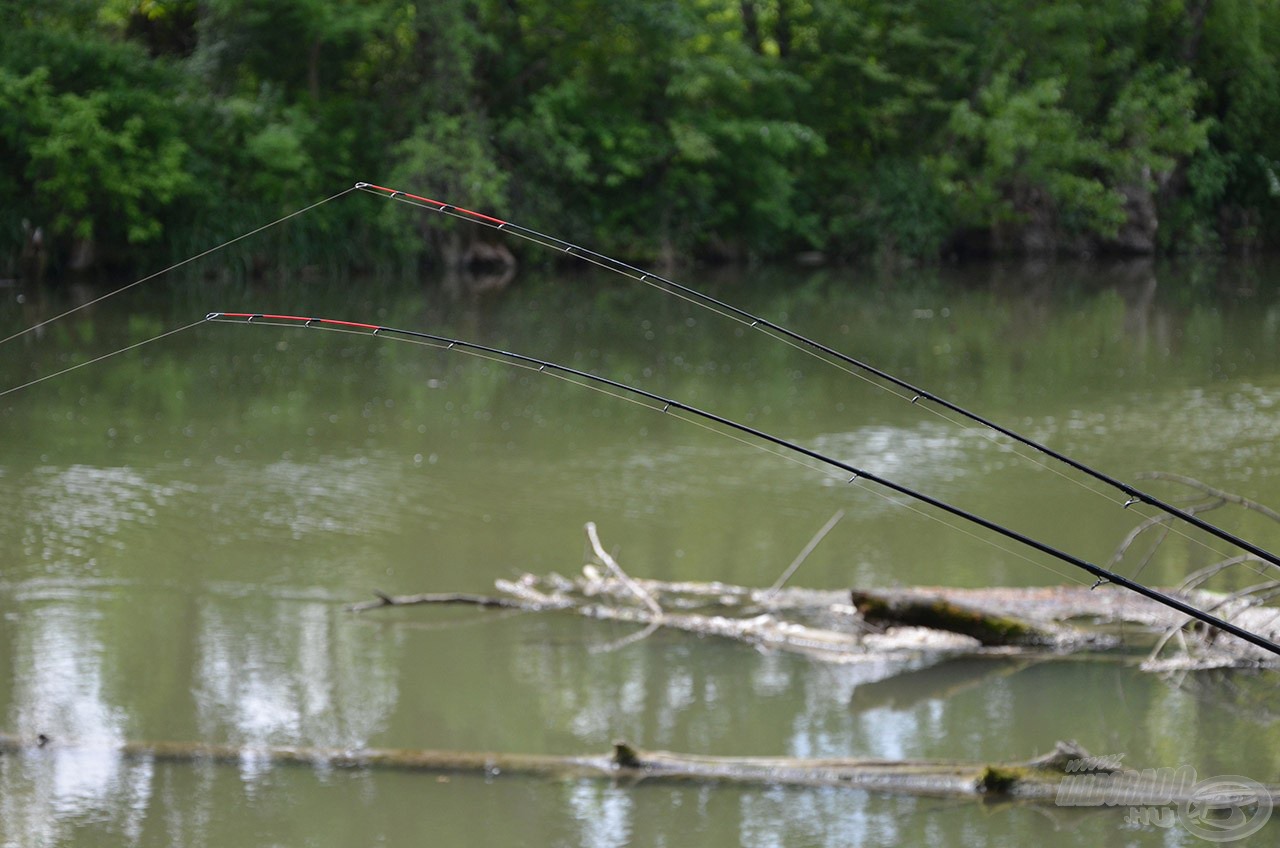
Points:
[(1100, 574), (1132, 493)]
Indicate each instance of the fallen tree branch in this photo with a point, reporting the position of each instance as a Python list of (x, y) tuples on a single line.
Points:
[(1067, 772), (894, 625), (762, 631), (1215, 493), (610, 563), (385, 600), (940, 613)]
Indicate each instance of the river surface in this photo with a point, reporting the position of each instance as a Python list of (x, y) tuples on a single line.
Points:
[(182, 525)]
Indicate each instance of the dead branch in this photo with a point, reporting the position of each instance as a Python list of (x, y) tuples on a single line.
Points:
[(1212, 492), (1165, 522), (884, 625), (939, 613), (1048, 779), (804, 553), (1186, 644), (385, 600), (610, 563), (761, 631), (1197, 578)]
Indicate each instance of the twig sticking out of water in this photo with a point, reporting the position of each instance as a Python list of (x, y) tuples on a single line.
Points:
[(1186, 645), (804, 553), (616, 570)]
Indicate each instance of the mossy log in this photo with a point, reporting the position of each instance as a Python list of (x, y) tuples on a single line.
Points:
[(1044, 779), (864, 624), (941, 613), (839, 638), (824, 625)]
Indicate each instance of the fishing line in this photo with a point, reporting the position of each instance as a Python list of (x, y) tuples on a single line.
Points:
[(711, 304), (801, 461), (172, 267), (791, 457), (674, 290), (1101, 575), (843, 363), (156, 338), (524, 366), (1132, 494)]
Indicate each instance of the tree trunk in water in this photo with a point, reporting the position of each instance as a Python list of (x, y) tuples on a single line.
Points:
[(1067, 773)]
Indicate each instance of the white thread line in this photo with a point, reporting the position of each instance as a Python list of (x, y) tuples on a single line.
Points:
[(99, 359), (160, 273)]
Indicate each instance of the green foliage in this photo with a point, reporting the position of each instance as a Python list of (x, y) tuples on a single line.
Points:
[(1019, 148), (98, 168), (1064, 139), (453, 155), (659, 125), (89, 161), (722, 128)]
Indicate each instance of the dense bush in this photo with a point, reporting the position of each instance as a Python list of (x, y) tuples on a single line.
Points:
[(135, 130)]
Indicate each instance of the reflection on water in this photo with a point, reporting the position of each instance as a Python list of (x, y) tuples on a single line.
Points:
[(185, 582), (292, 676), (769, 818), (59, 690), (331, 496), (280, 673), (58, 660), (604, 813), (70, 513), (914, 455)]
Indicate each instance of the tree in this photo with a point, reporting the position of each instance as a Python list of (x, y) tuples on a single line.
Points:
[(92, 132)]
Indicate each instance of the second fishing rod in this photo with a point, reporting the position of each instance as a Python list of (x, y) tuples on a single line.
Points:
[(666, 404), (1132, 493)]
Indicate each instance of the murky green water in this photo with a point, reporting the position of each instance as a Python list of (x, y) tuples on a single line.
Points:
[(182, 525)]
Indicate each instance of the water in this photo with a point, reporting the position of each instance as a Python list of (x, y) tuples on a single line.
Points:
[(184, 523)]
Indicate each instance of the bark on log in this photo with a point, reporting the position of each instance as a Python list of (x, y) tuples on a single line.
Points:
[(879, 624), (1044, 779), (763, 630), (820, 624), (940, 613)]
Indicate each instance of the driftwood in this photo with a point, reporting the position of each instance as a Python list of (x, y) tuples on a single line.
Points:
[(595, 597), (938, 612), (831, 626), (901, 624), (1067, 774), (1187, 644), (1059, 617), (880, 624)]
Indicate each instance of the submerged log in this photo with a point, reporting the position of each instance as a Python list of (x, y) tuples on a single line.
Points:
[(1068, 774), (1047, 779)]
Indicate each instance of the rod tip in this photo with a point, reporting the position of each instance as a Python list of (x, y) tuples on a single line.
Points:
[(212, 315)]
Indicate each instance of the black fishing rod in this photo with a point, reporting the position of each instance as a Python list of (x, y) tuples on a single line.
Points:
[(1133, 494), (542, 365)]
